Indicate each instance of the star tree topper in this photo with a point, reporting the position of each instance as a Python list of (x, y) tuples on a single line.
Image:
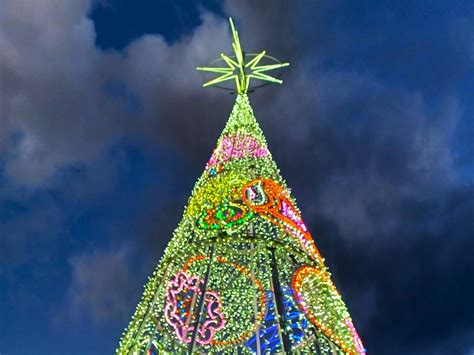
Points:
[(239, 70)]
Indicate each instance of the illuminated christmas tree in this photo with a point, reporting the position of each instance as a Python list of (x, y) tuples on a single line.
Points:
[(241, 274)]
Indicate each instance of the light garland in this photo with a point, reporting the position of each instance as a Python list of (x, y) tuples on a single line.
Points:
[(242, 272)]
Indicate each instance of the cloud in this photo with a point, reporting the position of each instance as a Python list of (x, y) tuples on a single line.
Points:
[(101, 286), (52, 77), (73, 101)]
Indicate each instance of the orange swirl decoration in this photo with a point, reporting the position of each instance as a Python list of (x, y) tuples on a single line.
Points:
[(270, 200)]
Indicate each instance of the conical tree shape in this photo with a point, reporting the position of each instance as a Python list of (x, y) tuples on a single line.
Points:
[(241, 273)]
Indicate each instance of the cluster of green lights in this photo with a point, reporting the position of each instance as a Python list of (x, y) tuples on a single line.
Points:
[(225, 215)]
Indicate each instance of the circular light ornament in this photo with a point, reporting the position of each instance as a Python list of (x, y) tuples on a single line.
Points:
[(237, 289)]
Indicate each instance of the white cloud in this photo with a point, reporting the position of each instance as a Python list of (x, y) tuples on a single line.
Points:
[(55, 111)]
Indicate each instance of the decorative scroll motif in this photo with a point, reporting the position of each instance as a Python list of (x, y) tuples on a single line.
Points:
[(213, 318), (181, 295), (266, 197), (226, 215), (236, 146), (319, 300)]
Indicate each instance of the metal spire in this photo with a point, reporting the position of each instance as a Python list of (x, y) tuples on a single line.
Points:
[(240, 71)]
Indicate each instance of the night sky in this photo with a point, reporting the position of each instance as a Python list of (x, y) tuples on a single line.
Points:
[(104, 128)]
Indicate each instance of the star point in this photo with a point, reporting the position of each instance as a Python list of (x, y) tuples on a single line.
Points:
[(240, 71)]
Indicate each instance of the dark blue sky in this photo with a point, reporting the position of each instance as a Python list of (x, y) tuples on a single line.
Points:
[(104, 129)]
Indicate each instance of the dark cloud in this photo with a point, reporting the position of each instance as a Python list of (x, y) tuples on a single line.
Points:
[(51, 78), (75, 101), (100, 285), (418, 278)]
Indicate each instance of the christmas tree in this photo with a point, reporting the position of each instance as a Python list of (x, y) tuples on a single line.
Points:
[(241, 273)]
